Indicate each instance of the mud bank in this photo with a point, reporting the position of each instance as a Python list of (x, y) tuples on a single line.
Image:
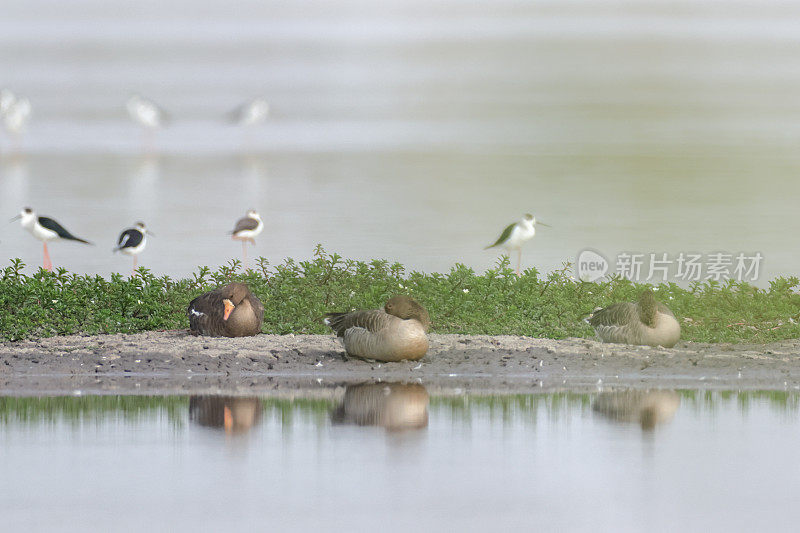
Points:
[(174, 362)]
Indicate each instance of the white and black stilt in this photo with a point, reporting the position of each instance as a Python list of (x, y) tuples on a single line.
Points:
[(515, 235), (149, 115), (132, 241), (246, 230), (45, 229), (250, 113)]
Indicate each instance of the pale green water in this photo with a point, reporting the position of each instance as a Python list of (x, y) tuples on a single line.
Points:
[(709, 461), (409, 130)]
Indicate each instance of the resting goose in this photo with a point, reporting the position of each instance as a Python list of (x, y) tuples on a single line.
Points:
[(395, 333), (646, 322), (229, 311)]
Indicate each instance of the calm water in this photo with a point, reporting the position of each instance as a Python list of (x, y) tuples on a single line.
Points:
[(397, 457), (408, 130)]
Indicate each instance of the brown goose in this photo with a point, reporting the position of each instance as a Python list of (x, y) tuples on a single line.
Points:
[(646, 322), (229, 311), (394, 333)]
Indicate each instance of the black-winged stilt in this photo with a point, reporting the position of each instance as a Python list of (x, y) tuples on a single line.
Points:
[(132, 241), (247, 228), (149, 115), (45, 229), (516, 234), (250, 113)]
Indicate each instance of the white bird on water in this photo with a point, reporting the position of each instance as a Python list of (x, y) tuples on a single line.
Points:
[(146, 113), (250, 113), (247, 229), (516, 234), (132, 241), (7, 98), (15, 113), (45, 229)]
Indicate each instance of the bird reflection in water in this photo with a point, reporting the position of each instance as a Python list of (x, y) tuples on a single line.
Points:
[(646, 408), (394, 406), (234, 415), (14, 181)]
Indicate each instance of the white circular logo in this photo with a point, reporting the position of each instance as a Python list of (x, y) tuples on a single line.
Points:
[(591, 265)]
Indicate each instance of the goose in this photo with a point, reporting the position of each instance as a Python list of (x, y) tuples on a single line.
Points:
[(515, 235), (395, 333), (646, 322), (229, 311)]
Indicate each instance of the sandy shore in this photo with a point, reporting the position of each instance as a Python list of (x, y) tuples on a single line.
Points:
[(175, 362)]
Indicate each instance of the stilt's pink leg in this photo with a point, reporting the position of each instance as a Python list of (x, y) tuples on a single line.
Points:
[(133, 272), (48, 265), (244, 252), (519, 262)]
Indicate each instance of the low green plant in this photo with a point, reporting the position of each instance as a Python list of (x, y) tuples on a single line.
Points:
[(296, 294)]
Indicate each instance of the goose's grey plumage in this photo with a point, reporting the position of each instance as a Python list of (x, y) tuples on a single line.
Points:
[(646, 322), (229, 311), (395, 333)]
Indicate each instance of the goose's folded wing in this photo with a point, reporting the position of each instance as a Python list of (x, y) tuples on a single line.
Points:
[(205, 313), (258, 307), (373, 320), (618, 314)]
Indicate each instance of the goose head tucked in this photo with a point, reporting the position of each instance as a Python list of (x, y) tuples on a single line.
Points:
[(235, 298), (406, 308), (228, 311)]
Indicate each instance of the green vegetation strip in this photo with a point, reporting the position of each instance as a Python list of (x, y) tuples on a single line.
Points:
[(296, 294)]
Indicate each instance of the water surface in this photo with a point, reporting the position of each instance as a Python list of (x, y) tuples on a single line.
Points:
[(396, 456)]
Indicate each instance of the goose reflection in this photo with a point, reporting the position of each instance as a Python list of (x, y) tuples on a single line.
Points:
[(646, 408), (394, 406), (235, 415)]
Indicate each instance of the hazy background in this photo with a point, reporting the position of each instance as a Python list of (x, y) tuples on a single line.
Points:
[(407, 130)]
